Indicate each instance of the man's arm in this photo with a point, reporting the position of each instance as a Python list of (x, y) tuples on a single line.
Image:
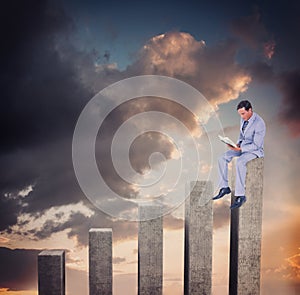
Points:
[(258, 139), (240, 136), (234, 148)]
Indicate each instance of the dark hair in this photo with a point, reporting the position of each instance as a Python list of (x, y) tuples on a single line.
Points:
[(244, 104)]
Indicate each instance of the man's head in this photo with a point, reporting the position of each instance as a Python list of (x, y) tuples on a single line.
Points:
[(244, 108)]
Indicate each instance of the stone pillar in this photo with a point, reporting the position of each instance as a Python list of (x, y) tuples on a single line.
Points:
[(198, 239), (150, 250), (100, 261), (51, 272), (245, 234)]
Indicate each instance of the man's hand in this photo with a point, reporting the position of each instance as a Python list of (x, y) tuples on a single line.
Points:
[(237, 149)]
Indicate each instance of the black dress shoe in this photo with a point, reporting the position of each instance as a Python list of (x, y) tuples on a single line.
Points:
[(239, 201), (223, 191)]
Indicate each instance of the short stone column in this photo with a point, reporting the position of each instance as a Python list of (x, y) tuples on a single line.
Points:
[(51, 272), (245, 234), (150, 250), (198, 239), (100, 261)]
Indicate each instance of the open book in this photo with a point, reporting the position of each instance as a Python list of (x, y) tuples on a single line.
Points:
[(227, 141)]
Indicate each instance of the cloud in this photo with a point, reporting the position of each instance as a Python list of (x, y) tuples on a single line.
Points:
[(40, 106), (53, 84), (280, 253), (145, 145), (118, 260), (77, 226), (18, 268), (289, 270), (43, 101), (172, 223), (262, 72), (294, 263), (18, 272), (9, 209), (253, 32), (212, 70), (171, 54), (269, 49), (46, 82), (221, 214), (288, 83)]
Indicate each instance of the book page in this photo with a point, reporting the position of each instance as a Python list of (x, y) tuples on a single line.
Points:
[(227, 140)]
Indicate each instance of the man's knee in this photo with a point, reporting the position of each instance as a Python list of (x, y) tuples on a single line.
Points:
[(223, 158), (227, 156), (243, 160)]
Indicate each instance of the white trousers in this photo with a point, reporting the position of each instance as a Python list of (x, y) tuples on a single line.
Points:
[(241, 169)]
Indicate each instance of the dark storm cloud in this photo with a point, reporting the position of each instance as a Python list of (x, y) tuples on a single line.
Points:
[(18, 271), (282, 19), (40, 93), (251, 30), (144, 145), (289, 85), (272, 29), (18, 268), (122, 230), (8, 212), (45, 83), (262, 72), (257, 42), (42, 96), (79, 225)]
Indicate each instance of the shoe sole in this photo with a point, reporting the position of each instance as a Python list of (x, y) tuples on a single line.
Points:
[(216, 198), (238, 205)]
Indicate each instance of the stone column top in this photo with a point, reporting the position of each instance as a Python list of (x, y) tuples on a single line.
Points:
[(100, 230), (52, 253)]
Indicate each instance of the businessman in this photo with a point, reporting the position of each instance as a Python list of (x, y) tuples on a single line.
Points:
[(249, 146)]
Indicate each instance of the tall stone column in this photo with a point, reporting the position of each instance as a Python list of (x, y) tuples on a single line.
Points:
[(150, 251), (51, 272), (245, 234), (198, 239), (100, 261)]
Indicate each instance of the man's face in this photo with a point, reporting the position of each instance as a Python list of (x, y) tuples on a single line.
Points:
[(245, 115)]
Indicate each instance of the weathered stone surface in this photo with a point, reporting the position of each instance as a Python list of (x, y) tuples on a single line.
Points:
[(150, 251), (245, 235), (100, 261), (198, 239), (51, 272)]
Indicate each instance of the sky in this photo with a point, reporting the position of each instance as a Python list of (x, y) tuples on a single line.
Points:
[(58, 55)]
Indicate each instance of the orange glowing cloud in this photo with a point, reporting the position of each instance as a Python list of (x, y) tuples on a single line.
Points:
[(294, 263), (212, 70), (172, 53)]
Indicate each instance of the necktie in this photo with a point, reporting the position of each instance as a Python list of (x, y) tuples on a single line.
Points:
[(245, 125)]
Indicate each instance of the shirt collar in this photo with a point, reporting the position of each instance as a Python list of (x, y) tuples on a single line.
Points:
[(252, 118)]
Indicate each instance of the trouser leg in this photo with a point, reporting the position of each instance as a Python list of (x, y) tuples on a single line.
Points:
[(241, 170), (223, 161)]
